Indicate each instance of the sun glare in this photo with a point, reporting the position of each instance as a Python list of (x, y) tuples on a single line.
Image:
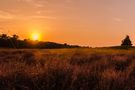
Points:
[(35, 36)]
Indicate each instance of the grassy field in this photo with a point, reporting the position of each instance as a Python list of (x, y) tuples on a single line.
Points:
[(67, 69)]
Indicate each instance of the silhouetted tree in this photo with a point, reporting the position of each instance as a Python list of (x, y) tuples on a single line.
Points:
[(126, 41), (14, 42), (4, 36), (4, 40), (15, 37)]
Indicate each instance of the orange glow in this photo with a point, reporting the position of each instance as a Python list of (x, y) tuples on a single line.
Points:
[(83, 22), (36, 36)]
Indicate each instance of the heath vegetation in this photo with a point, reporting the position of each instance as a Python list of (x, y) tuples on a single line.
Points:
[(67, 69)]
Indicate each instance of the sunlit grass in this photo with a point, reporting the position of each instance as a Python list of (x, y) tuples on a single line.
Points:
[(67, 69)]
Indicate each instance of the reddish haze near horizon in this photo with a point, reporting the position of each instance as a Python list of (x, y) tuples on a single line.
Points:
[(82, 22)]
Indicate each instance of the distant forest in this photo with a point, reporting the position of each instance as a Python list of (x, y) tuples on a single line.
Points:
[(14, 42)]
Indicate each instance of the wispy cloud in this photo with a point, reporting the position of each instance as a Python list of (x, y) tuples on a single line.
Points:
[(6, 15), (47, 12), (116, 19), (42, 3), (40, 17), (68, 1), (10, 16), (36, 3)]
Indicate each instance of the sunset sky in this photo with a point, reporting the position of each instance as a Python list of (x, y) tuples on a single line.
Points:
[(83, 22)]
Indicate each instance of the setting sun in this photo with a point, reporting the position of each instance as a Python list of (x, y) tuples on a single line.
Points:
[(35, 36)]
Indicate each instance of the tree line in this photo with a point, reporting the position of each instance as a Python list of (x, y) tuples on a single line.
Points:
[(14, 42)]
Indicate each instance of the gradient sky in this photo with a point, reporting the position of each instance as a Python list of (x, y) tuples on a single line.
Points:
[(82, 22)]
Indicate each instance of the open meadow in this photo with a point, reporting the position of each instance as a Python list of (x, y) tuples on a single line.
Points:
[(67, 69)]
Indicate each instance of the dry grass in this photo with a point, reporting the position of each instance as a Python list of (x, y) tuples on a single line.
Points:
[(67, 69)]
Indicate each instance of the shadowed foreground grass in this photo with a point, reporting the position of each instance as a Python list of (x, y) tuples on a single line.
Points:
[(67, 69)]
